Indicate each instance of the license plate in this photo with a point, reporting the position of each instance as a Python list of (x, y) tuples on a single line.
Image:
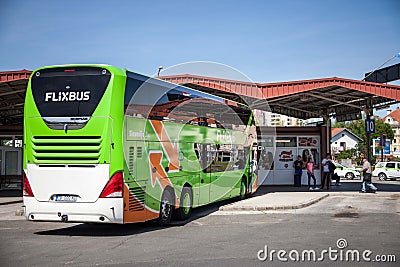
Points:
[(65, 198)]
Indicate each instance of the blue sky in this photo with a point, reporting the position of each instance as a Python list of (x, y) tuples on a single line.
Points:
[(267, 40)]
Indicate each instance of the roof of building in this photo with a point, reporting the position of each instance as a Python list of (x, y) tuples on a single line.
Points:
[(336, 97), (12, 96), (395, 114), (337, 131)]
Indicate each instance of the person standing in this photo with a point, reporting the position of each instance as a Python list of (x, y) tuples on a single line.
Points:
[(310, 174), (367, 176), (326, 177), (298, 171)]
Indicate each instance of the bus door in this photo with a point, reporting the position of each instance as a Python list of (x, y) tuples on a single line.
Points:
[(219, 176), (226, 175), (206, 156), (254, 158)]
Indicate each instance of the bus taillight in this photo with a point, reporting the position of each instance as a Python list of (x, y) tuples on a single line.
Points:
[(26, 187), (114, 186)]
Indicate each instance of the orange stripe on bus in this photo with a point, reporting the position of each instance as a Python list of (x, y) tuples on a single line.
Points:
[(158, 173), (136, 216), (170, 149)]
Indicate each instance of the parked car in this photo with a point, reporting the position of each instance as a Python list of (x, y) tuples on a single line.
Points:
[(387, 170), (347, 172)]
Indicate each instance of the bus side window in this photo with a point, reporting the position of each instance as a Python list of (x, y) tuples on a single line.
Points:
[(201, 153)]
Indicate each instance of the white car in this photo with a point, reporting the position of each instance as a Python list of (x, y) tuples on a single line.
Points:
[(387, 170), (347, 172)]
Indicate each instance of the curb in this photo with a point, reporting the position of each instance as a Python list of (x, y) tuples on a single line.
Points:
[(359, 194), (310, 202), (232, 207)]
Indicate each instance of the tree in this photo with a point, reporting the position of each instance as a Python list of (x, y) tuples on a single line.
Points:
[(339, 124), (348, 154), (358, 128)]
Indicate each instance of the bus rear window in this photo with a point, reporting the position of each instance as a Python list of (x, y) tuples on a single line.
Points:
[(69, 92)]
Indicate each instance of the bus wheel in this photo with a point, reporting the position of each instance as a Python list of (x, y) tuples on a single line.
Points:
[(243, 189), (166, 206), (185, 205)]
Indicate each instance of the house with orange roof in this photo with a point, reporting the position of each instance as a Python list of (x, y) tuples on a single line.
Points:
[(343, 139)]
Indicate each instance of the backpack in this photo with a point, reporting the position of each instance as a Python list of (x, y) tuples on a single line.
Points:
[(331, 166)]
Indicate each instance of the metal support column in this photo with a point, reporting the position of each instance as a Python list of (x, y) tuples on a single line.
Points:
[(369, 113), (328, 133)]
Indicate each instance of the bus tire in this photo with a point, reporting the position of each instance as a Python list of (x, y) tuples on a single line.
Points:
[(186, 203), (166, 208)]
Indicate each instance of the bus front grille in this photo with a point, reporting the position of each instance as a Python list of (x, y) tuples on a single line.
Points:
[(66, 149)]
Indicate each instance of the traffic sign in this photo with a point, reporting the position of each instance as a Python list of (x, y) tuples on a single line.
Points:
[(370, 126)]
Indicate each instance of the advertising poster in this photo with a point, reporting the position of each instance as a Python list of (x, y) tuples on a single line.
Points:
[(377, 147), (308, 141), (312, 153), (266, 161), (285, 156)]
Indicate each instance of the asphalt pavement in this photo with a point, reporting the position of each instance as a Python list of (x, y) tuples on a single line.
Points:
[(274, 197)]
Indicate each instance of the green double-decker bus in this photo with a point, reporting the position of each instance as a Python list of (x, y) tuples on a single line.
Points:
[(103, 144)]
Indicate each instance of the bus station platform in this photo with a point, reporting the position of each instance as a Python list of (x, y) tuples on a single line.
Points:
[(277, 201), (274, 197), (290, 197)]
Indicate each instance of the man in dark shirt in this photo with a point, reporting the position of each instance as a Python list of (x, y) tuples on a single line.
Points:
[(298, 171)]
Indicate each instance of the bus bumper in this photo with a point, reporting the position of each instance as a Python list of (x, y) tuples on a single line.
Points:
[(102, 211)]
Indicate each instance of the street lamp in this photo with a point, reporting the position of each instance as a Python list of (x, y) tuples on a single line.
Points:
[(159, 69)]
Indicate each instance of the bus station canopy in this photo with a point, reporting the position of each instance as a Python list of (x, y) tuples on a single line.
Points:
[(334, 97), (316, 98), (12, 95)]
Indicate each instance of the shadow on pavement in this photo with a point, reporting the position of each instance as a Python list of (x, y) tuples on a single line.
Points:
[(97, 229)]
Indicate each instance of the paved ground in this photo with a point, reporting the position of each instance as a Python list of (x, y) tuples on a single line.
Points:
[(214, 237), (271, 197), (219, 235)]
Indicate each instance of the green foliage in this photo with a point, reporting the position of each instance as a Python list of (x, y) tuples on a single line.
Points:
[(339, 125), (348, 154), (358, 128)]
